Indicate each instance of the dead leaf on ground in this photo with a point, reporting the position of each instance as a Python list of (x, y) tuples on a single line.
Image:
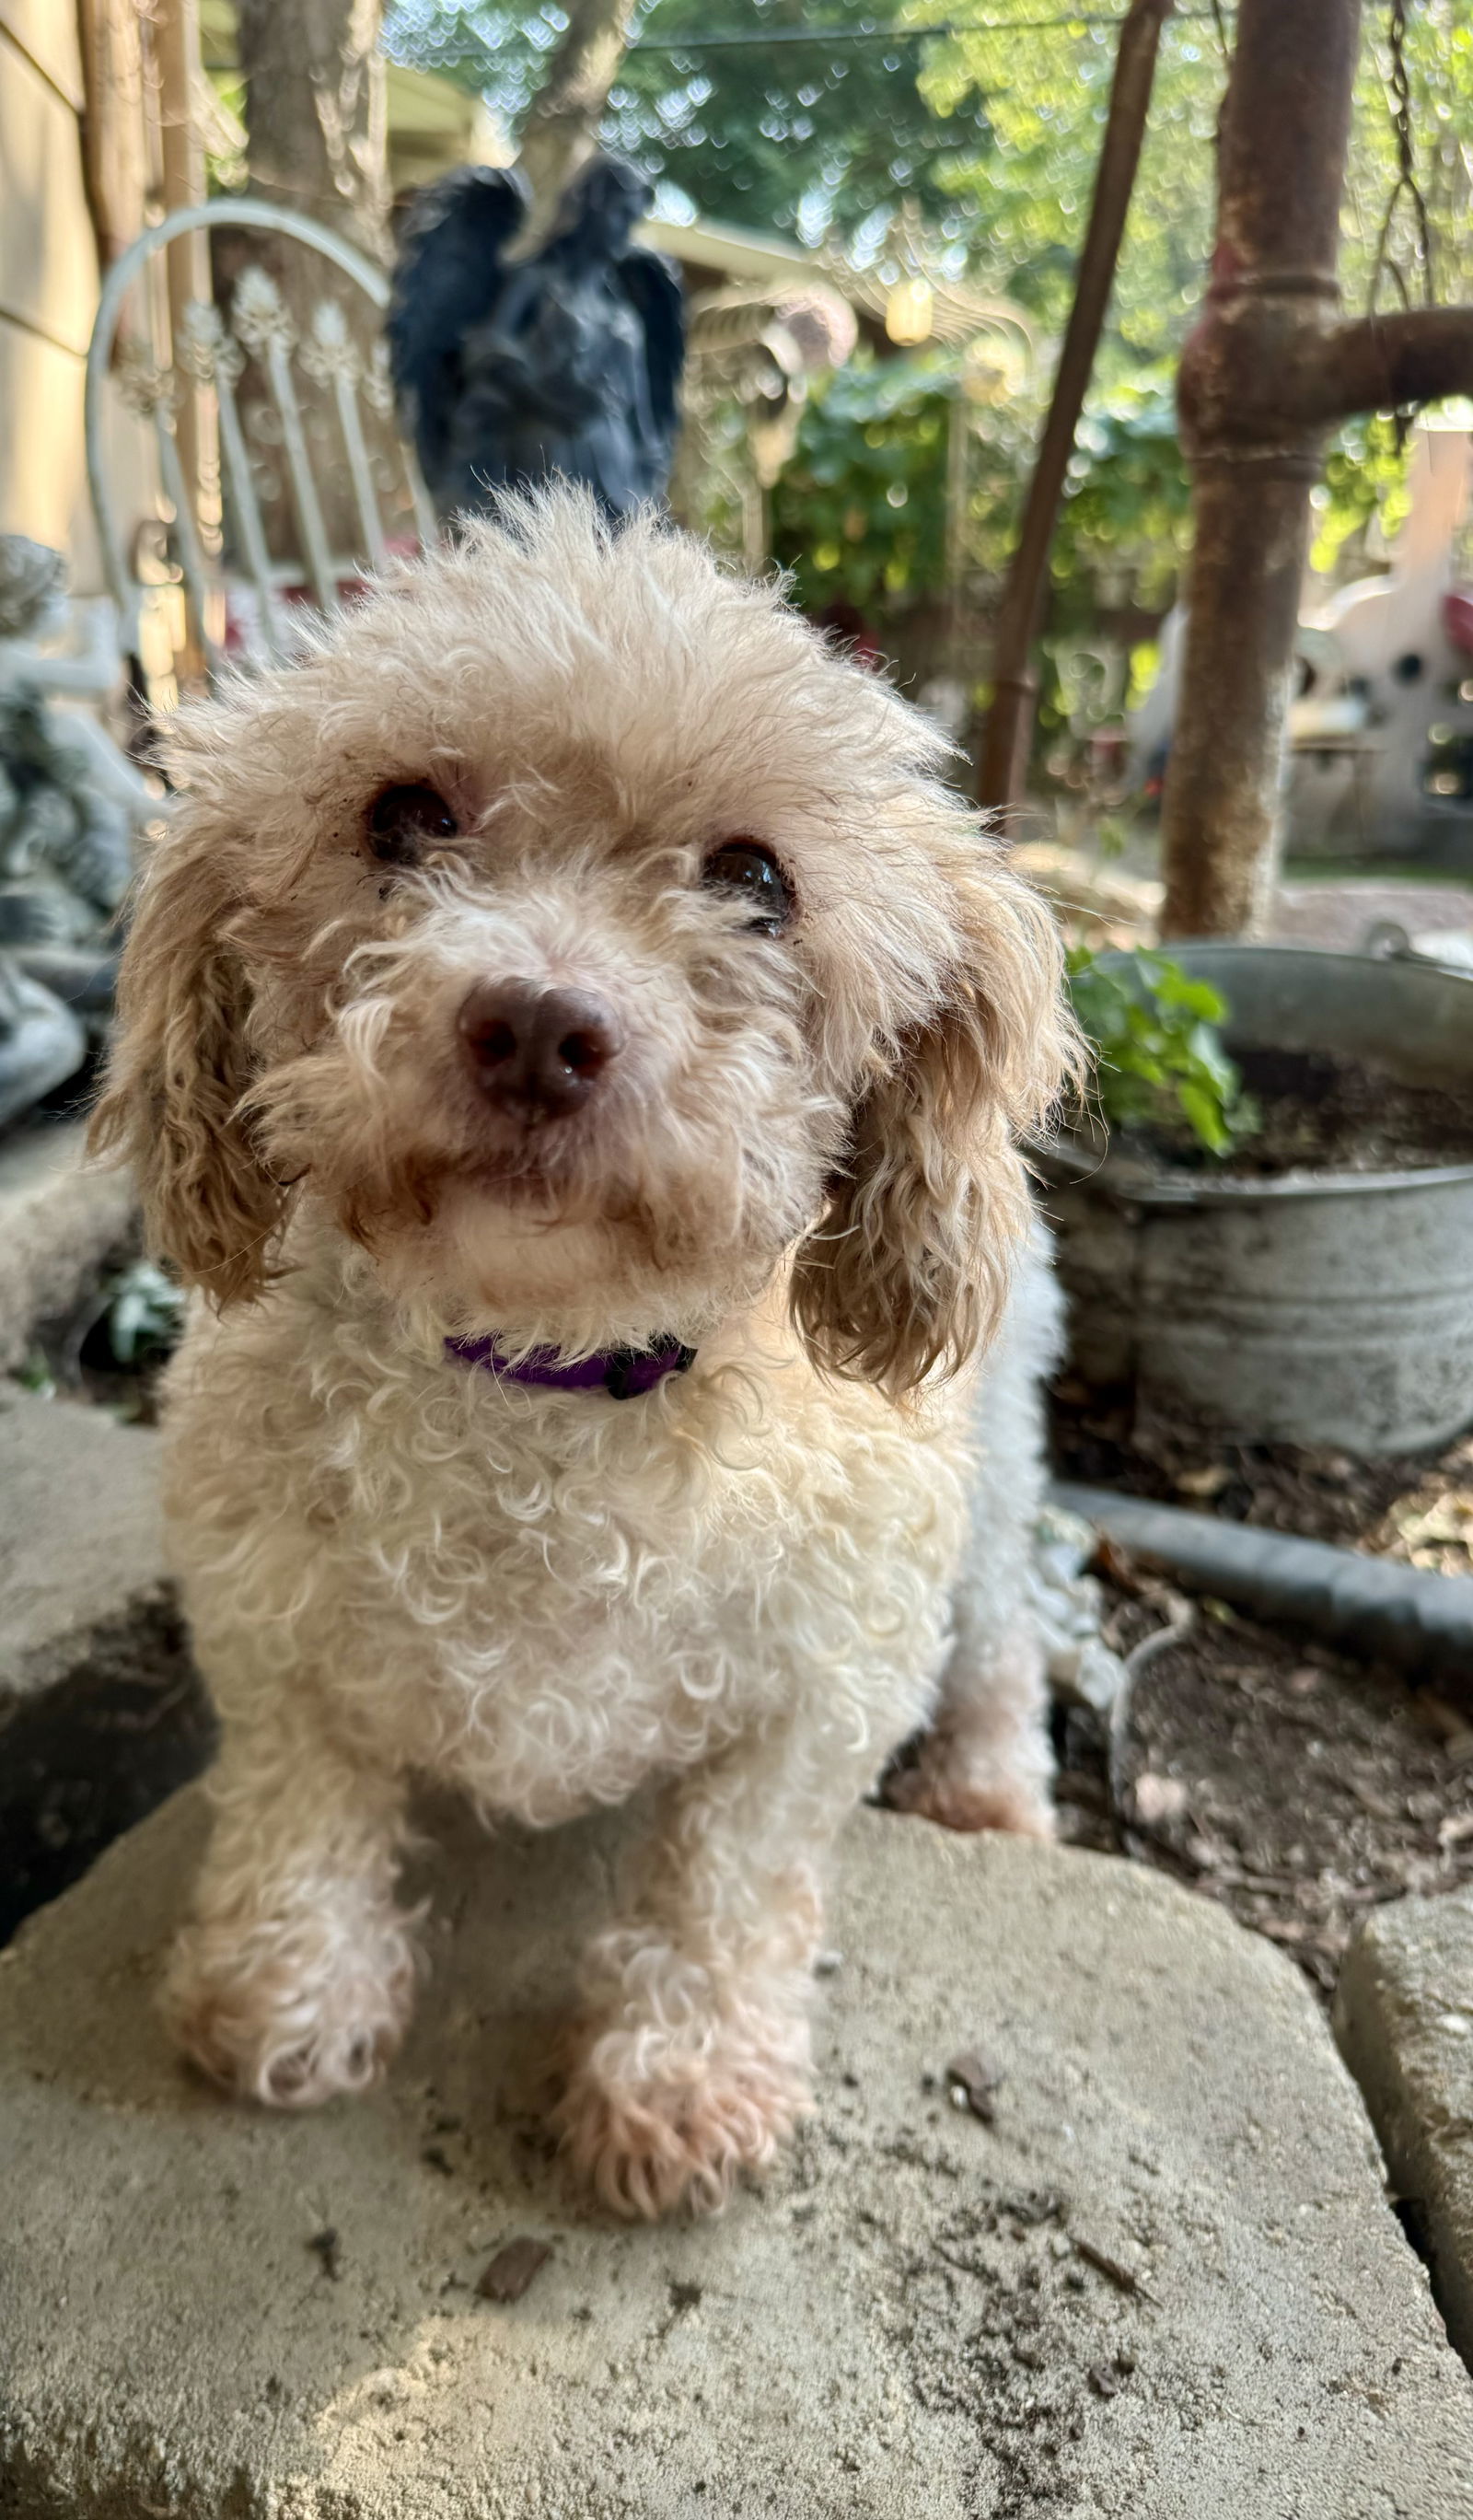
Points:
[(511, 2269), (1116, 1564)]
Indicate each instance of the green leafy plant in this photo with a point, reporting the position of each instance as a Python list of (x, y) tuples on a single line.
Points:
[(1158, 1055), (860, 512)]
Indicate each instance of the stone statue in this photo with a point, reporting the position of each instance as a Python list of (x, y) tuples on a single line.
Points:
[(565, 362), (69, 804)]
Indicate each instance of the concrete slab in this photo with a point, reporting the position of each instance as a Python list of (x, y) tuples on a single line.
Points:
[(210, 2310), (81, 1531), (101, 1711), (59, 1222), (1404, 2016)]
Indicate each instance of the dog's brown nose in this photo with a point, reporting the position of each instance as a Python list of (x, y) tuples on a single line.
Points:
[(537, 1052)]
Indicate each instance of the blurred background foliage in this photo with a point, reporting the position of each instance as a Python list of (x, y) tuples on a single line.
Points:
[(822, 119), (818, 118), (860, 512)]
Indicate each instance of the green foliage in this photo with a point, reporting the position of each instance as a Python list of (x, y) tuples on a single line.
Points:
[(1158, 1055), (1024, 197), (1364, 478), (794, 116), (994, 128), (1127, 513), (860, 513), (790, 129)]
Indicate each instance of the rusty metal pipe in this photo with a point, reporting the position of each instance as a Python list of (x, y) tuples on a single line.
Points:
[(1370, 1608)]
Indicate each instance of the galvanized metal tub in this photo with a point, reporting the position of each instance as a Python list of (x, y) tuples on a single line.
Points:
[(1324, 1308)]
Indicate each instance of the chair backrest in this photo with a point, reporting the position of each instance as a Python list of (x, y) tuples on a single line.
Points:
[(271, 418)]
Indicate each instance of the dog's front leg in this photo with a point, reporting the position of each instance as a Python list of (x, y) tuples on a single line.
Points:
[(295, 1978), (692, 2061)]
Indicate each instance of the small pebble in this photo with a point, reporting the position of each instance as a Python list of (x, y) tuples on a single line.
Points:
[(511, 2269)]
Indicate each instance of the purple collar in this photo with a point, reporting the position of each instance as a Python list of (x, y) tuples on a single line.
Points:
[(624, 1373)]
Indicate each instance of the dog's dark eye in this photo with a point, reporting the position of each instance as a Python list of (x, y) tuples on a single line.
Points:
[(402, 820), (751, 872)]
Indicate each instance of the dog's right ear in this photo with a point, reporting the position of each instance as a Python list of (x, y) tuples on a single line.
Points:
[(180, 1068)]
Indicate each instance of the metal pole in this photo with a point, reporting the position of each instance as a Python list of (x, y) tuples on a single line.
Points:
[(1008, 733)]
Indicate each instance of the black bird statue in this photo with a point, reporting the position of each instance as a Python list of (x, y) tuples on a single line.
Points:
[(565, 362)]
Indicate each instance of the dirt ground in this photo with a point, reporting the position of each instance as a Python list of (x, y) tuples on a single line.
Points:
[(1295, 1785), (1417, 1507)]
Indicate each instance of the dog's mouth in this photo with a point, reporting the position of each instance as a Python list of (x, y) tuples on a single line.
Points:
[(539, 1182), (523, 1186)]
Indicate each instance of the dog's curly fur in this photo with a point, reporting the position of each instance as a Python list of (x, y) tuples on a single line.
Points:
[(750, 1585)]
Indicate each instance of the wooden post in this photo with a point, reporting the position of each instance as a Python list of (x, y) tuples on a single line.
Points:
[(176, 53), (175, 32), (1008, 733)]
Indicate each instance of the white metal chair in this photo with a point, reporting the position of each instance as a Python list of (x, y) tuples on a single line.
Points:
[(217, 586)]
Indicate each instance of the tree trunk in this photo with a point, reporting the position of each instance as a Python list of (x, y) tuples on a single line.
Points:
[(176, 55), (314, 111), (1267, 372), (1003, 764), (562, 127), (316, 142)]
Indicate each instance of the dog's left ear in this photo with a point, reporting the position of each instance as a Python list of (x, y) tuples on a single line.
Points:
[(909, 1269), (179, 1068)]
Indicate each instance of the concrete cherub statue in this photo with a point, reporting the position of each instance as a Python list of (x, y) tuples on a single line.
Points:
[(69, 804)]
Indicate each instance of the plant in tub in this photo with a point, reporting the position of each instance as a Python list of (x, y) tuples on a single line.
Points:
[(1158, 1056)]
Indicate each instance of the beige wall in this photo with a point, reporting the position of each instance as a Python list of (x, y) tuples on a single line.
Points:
[(48, 280)]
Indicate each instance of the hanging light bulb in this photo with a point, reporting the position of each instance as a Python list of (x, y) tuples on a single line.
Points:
[(910, 300), (910, 310)]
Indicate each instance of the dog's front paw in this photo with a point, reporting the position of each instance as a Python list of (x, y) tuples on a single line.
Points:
[(284, 2015), (648, 2142)]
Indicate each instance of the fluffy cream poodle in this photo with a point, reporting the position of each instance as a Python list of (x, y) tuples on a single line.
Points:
[(578, 1048)]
